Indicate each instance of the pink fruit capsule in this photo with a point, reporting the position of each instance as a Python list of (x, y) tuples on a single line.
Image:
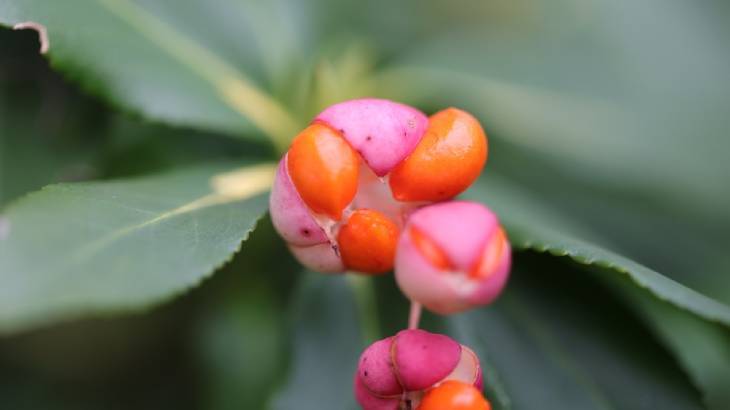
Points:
[(350, 180), (402, 368), (383, 132), (452, 256), (330, 202)]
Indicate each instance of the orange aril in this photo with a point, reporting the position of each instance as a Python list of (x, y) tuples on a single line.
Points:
[(324, 170), (453, 395), (491, 258), (429, 249), (448, 159), (367, 242)]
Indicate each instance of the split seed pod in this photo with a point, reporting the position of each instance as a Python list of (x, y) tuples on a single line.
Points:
[(349, 181), (453, 256), (401, 369)]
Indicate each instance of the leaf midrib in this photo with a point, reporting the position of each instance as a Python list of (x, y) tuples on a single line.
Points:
[(232, 86), (228, 187)]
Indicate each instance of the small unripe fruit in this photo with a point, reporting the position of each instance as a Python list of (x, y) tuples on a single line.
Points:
[(452, 256), (401, 368), (454, 395)]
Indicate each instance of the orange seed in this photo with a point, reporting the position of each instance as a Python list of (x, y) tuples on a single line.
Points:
[(324, 170), (454, 395), (448, 159), (429, 249), (367, 242), (491, 258)]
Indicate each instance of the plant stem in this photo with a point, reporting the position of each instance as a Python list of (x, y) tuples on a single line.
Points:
[(415, 315)]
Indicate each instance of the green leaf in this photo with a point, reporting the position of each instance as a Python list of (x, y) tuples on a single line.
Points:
[(702, 348), (594, 88), (241, 345), (240, 335), (557, 339), (44, 122), (80, 249), (677, 241), (172, 62), (327, 342), (537, 228), (660, 300), (140, 361)]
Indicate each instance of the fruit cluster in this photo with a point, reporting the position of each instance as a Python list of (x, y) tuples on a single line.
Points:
[(368, 187)]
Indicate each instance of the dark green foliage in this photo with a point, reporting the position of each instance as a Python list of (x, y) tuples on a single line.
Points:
[(608, 129)]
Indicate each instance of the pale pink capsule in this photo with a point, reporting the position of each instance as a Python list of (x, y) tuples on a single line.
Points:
[(383, 132), (296, 224), (290, 215), (322, 257), (401, 368), (452, 256)]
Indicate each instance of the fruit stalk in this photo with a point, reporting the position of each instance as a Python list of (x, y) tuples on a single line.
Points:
[(414, 317)]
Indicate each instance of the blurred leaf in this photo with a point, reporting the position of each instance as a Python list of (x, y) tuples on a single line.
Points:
[(207, 64), (531, 226), (216, 348), (536, 227), (702, 348), (127, 362), (242, 346), (90, 248), (138, 149), (595, 87), (151, 59), (326, 343), (67, 136), (240, 338), (48, 132), (556, 339), (679, 242)]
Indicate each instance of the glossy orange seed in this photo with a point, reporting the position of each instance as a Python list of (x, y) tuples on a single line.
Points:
[(429, 249), (367, 242), (491, 258), (453, 395), (324, 170), (448, 159)]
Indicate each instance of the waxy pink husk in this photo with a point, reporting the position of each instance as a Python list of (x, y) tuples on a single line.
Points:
[(464, 232), (403, 367)]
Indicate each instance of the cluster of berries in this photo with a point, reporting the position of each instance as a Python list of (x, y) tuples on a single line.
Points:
[(368, 187)]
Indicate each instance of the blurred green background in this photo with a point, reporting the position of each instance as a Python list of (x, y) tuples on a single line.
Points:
[(608, 121)]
